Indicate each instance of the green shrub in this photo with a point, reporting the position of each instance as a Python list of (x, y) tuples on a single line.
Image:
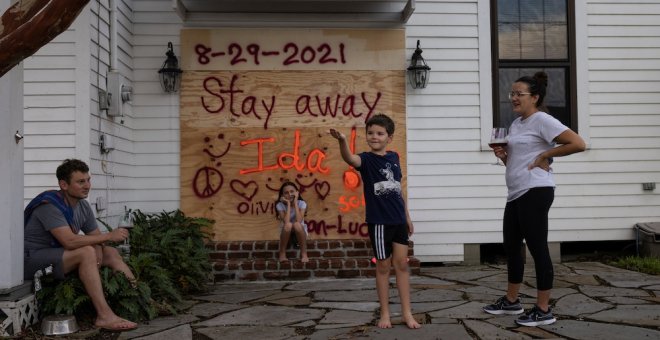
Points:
[(69, 297), (168, 257), (177, 243), (163, 292), (62, 297)]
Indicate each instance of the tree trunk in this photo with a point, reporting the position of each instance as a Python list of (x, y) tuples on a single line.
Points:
[(30, 24)]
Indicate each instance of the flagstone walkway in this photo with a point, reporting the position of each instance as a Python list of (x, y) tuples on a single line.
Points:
[(591, 301)]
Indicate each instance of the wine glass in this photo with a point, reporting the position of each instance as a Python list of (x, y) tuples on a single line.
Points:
[(498, 138), (126, 222)]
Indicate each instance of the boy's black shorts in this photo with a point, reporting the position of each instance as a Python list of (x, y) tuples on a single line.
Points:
[(382, 236)]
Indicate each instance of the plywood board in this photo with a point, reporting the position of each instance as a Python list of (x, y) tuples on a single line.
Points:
[(244, 132), (293, 49)]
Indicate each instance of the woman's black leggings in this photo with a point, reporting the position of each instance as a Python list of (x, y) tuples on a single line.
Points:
[(526, 218)]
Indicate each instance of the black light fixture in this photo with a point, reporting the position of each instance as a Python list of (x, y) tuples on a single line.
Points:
[(170, 73), (418, 71)]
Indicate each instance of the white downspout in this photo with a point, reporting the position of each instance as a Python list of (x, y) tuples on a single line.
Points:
[(113, 35)]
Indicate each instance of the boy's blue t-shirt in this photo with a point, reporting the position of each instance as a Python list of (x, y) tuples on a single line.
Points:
[(381, 176)]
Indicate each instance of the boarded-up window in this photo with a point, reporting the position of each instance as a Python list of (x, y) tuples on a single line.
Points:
[(256, 105)]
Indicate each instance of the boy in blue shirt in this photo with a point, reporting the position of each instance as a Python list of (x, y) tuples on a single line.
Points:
[(386, 213)]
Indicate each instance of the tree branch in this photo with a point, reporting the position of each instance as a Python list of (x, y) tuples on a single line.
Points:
[(30, 24)]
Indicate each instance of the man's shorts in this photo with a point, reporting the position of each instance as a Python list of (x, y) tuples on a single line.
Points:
[(41, 258), (382, 236)]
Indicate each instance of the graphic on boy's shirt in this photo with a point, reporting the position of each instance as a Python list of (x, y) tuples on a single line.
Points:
[(389, 186)]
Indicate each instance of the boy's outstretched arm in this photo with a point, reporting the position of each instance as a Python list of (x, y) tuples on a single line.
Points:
[(346, 154)]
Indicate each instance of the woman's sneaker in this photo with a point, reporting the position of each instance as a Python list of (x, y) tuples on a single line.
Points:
[(503, 306), (536, 317)]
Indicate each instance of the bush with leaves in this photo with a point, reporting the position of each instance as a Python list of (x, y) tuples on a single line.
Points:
[(129, 300), (168, 257), (178, 244)]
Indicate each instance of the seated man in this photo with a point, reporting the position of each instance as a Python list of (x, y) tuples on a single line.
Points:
[(53, 221)]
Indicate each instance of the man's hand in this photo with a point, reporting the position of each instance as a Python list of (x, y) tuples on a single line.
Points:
[(118, 235)]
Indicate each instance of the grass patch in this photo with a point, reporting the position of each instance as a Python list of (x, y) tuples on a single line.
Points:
[(647, 265)]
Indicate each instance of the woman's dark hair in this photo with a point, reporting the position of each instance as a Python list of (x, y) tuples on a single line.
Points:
[(284, 185), (537, 87), (68, 167)]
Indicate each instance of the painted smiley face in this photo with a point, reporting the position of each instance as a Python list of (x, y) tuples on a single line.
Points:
[(212, 151)]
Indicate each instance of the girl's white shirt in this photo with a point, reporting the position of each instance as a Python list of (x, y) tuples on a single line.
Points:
[(302, 205)]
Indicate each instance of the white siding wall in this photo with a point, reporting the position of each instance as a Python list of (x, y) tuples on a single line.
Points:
[(455, 195), (156, 114), (62, 116), (112, 171), (56, 106), (624, 107)]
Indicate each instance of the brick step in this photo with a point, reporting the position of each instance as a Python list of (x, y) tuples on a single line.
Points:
[(257, 260)]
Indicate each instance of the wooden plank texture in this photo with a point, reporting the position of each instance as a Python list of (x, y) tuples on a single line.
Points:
[(246, 131), (292, 49)]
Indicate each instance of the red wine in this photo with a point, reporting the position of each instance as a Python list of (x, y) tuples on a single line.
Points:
[(492, 145)]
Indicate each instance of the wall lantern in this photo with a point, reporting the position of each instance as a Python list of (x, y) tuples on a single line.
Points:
[(418, 71), (170, 73)]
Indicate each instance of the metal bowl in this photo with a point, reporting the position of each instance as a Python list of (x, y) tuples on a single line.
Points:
[(59, 325)]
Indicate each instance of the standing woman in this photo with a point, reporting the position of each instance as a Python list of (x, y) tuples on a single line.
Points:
[(535, 138)]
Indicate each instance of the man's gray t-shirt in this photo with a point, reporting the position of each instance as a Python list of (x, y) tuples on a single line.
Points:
[(46, 217)]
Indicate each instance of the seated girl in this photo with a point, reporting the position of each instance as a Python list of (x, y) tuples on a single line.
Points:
[(290, 208)]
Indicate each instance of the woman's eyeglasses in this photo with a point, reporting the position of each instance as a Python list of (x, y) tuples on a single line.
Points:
[(516, 94)]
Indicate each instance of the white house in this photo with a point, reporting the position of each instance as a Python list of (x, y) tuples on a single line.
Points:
[(604, 54)]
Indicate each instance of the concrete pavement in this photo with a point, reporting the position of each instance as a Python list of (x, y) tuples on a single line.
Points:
[(591, 301)]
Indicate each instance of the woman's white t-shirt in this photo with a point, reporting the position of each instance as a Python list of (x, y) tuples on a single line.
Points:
[(527, 139)]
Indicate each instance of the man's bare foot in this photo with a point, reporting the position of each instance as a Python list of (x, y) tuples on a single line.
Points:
[(305, 259), (411, 322), (115, 324), (384, 322), (283, 258)]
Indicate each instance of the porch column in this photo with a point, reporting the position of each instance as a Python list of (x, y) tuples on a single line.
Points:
[(11, 176)]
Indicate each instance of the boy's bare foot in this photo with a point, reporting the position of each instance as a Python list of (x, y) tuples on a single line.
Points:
[(283, 259), (305, 259), (411, 322), (384, 322)]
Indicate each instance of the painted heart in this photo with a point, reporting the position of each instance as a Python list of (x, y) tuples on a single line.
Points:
[(245, 190), (323, 189)]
